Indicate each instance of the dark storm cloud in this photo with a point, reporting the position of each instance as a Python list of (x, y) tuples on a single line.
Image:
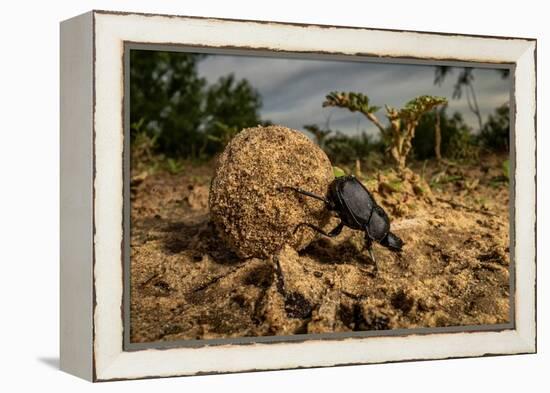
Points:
[(293, 89)]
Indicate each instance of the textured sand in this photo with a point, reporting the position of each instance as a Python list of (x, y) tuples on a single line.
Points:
[(454, 270)]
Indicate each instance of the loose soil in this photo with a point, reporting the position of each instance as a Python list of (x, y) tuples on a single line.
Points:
[(453, 271)]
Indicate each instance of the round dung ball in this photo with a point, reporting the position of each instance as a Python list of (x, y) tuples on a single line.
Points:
[(252, 213)]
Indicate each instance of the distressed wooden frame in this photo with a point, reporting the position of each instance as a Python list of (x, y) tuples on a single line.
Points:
[(92, 183)]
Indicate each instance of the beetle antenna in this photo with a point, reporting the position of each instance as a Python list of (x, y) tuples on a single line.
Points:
[(368, 245), (303, 192)]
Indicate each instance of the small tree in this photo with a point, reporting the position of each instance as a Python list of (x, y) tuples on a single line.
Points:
[(403, 122), (232, 102), (180, 111)]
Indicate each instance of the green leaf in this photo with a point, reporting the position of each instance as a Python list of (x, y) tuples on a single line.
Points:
[(213, 138), (355, 102), (338, 172), (174, 166), (420, 105), (374, 109)]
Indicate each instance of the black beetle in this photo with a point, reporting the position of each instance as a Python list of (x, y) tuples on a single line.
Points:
[(357, 209)]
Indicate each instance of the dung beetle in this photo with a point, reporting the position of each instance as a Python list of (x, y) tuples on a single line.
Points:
[(357, 209)]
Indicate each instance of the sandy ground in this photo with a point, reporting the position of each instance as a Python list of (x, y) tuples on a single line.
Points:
[(454, 269)]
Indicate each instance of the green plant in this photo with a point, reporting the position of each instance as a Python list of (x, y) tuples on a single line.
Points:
[(495, 134), (143, 147), (174, 166), (231, 104), (345, 149), (177, 107), (166, 93), (342, 148), (457, 140), (222, 133), (463, 146), (505, 175), (338, 172), (403, 122)]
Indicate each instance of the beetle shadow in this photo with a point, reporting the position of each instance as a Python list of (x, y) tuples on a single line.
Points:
[(202, 238), (196, 236), (329, 252)]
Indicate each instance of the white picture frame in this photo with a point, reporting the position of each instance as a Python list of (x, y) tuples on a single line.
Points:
[(92, 193)]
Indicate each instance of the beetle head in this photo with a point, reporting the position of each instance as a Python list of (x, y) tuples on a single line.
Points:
[(392, 242)]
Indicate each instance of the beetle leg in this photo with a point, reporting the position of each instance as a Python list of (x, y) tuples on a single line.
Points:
[(334, 232), (369, 247), (307, 193), (371, 254)]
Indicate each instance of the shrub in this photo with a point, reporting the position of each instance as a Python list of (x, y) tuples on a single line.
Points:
[(403, 122), (495, 134)]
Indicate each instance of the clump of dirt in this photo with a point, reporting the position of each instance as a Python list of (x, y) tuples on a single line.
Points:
[(254, 216), (454, 269)]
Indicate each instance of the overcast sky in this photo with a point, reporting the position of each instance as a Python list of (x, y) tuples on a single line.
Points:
[(293, 90)]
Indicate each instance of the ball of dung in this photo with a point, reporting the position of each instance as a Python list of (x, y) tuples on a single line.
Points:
[(253, 215)]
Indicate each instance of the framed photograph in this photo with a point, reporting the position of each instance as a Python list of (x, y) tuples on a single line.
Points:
[(246, 195)]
